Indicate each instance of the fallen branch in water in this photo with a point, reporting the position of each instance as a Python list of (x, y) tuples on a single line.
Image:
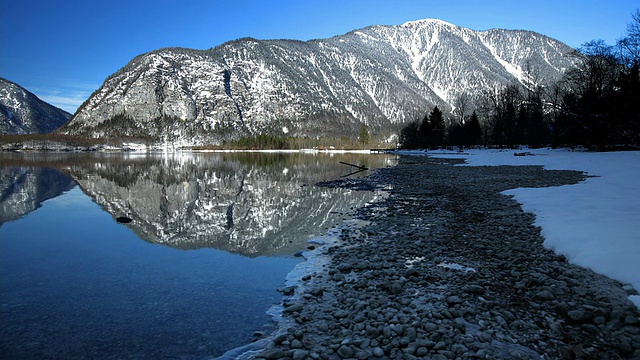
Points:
[(360, 167)]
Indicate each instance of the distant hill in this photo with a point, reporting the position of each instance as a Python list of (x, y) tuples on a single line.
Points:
[(381, 76), (21, 112)]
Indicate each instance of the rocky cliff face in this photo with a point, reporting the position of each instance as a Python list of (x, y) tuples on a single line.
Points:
[(21, 112), (382, 76)]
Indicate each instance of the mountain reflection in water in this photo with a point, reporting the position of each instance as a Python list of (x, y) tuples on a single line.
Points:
[(253, 204), (77, 284), (22, 190)]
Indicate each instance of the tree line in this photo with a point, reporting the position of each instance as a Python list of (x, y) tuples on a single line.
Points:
[(596, 105)]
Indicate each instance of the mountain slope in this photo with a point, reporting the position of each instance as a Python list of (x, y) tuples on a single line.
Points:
[(21, 112), (382, 76)]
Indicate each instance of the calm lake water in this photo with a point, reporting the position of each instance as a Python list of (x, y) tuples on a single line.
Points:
[(191, 276)]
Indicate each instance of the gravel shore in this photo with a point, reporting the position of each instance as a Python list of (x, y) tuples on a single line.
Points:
[(446, 267)]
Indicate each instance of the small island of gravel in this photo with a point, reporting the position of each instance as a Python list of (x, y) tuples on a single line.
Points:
[(445, 267)]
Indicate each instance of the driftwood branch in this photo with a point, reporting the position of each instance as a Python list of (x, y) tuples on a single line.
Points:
[(359, 167)]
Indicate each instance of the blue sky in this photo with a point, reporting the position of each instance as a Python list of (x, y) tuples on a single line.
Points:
[(62, 50)]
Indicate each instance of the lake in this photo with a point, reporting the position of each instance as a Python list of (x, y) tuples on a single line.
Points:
[(211, 237)]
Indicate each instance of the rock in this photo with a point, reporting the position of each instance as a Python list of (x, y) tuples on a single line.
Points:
[(429, 344), (272, 354), (459, 349), (345, 351), (518, 354), (578, 315), (440, 345), (278, 339), (386, 331), (411, 272), (317, 291), (631, 320), (293, 308), (474, 289), (422, 351), (484, 337), (300, 354), (123, 219), (395, 287), (454, 300), (398, 329), (545, 295), (411, 333), (289, 290), (430, 327), (378, 352), (344, 267)]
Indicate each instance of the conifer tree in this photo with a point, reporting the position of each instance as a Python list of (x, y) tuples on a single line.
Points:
[(364, 134), (473, 131), (424, 133), (437, 126)]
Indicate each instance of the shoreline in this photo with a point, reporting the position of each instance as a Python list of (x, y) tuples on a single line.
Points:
[(449, 268)]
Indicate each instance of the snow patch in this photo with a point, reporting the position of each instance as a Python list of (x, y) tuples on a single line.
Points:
[(455, 266), (511, 69), (423, 22)]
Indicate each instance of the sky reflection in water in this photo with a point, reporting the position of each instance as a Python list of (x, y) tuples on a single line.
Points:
[(77, 284)]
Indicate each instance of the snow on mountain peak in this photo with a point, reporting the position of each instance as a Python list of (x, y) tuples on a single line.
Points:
[(381, 76), (423, 22)]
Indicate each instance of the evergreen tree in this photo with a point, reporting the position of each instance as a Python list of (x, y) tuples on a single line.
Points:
[(456, 135), (364, 134), (409, 136), (437, 126), (473, 131), (424, 132)]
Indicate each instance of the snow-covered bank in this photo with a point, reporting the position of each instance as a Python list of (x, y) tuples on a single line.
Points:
[(595, 224)]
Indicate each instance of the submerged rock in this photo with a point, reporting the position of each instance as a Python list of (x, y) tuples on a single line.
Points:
[(123, 219)]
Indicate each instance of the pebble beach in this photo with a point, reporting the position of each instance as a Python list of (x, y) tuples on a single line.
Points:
[(446, 267)]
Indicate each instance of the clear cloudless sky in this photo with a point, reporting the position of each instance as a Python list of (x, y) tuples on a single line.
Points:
[(62, 50)]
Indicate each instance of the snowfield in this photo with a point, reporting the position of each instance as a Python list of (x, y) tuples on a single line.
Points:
[(596, 223)]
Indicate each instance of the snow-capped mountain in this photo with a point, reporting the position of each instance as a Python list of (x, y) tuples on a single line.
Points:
[(382, 76), (21, 112)]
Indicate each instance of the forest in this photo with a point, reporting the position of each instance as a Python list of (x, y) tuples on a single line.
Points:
[(596, 105)]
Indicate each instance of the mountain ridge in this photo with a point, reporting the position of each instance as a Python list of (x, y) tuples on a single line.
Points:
[(22, 112), (380, 76)]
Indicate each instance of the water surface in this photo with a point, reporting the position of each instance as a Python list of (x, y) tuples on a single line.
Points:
[(212, 236)]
